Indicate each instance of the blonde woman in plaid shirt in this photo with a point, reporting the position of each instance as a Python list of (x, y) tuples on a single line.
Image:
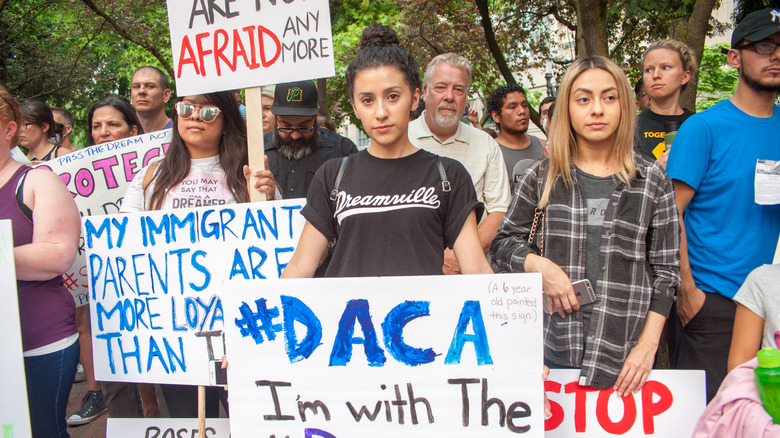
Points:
[(610, 217)]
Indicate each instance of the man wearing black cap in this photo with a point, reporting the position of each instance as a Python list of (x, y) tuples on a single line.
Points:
[(298, 147), (717, 164)]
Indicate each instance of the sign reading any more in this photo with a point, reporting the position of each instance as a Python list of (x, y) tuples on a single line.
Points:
[(248, 43), (425, 356), (154, 283), (97, 177), (14, 418)]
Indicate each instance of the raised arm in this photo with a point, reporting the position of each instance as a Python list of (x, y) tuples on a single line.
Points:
[(56, 228)]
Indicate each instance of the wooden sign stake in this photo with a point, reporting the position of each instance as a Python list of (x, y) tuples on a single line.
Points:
[(254, 136)]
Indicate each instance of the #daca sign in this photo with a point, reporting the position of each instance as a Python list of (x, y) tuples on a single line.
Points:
[(154, 280), (455, 356), (227, 44)]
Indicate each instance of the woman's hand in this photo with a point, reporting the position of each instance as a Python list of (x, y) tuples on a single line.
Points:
[(636, 368), (555, 283), (265, 180)]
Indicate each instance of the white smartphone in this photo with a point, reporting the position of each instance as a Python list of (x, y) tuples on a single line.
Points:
[(217, 375)]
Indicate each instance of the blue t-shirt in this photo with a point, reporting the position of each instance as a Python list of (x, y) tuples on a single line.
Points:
[(729, 235)]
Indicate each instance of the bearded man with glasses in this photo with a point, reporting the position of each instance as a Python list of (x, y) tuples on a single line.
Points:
[(720, 161), (298, 147)]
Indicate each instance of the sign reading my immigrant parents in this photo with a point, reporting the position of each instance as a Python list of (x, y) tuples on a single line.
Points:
[(14, 418), (97, 177), (154, 280), (229, 44), (454, 356)]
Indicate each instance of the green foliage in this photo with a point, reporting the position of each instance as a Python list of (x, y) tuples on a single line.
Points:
[(534, 98), (717, 80)]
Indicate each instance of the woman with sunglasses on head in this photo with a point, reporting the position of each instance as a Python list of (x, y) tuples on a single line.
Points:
[(38, 132), (596, 210), (208, 151)]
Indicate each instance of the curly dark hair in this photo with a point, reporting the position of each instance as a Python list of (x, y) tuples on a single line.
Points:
[(378, 48), (496, 100)]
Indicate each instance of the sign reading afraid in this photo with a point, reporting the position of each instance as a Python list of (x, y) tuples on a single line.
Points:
[(154, 281), (14, 417), (228, 44), (424, 356), (97, 177)]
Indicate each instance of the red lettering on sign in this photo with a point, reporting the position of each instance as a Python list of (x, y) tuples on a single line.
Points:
[(556, 417), (602, 413), (201, 51), (260, 31), (219, 49), (187, 56), (651, 409)]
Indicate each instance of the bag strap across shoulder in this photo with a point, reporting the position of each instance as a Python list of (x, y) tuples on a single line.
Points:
[(149, 175)]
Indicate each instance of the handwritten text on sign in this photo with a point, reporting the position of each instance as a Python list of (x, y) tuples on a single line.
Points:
[(668, 404), (154, 281), (97, 177), (383, 357), (248, 43)]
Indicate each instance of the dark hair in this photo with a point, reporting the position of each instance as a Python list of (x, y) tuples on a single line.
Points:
[(544, 102), (164, 83), (495, 101), (379, 48), (550, 111), (232, 153), (119, 104), (39, 114), (638, 87)]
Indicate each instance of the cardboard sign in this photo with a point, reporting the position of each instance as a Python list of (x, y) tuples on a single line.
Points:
[(454, 356), (154, 281), (229, 44), (165, 428), (14, 416), (669, 404), (97, 177)]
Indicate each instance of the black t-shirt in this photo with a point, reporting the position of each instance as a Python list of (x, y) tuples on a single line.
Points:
[(391, 216), (650, 127), (294, 176)]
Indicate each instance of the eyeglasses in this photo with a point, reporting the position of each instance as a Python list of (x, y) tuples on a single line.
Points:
[(207, 113), (301, 131), (761, 47), (24, 126)]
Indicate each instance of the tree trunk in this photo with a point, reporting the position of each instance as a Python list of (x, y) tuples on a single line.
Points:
[(592, 28), (693, 32), (322, 97)]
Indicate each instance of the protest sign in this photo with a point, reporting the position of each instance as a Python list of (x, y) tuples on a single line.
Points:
[(228, 44), (97, 177), (165, 428), (14, 417), (669, 404), (154, 281), (421, 356)]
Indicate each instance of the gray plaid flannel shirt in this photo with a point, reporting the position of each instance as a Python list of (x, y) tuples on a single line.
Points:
[(640, 271)]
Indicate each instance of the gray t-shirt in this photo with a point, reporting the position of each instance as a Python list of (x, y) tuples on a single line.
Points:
[(596, 190), (760, 293), (533, 152)]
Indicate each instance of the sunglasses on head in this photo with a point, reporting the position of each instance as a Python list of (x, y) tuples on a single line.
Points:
[(207, 113)]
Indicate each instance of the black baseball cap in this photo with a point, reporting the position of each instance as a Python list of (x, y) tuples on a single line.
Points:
[(757, 26), (295, 99)]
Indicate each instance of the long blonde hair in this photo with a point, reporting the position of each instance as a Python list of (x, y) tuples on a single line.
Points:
[(562, 140)]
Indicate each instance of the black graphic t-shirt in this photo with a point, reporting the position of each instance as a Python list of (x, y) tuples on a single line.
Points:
[(650, 127), (391, 216)]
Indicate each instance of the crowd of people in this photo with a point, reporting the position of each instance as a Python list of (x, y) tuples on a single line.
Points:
[(664, 237)]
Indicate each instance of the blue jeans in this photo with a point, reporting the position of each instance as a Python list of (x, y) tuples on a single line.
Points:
[(49, 380)]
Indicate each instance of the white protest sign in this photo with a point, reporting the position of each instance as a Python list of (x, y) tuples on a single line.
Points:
[(165, 428), (669, 404), (97, 177), (14, 417), (228, 44), (454, 356), (154, 281)]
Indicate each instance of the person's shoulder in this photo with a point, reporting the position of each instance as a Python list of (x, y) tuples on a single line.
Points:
[(268, 141), (329, 138)]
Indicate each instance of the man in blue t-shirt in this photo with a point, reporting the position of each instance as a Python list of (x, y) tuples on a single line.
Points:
[(713, 163)]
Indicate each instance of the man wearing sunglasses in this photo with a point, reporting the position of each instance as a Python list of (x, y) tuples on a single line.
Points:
[(716, 168), (298, 147)]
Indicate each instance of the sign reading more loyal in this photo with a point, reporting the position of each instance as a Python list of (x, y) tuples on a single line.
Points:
[(454, 356), (228, 44), (154, 280), (97, 177)]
